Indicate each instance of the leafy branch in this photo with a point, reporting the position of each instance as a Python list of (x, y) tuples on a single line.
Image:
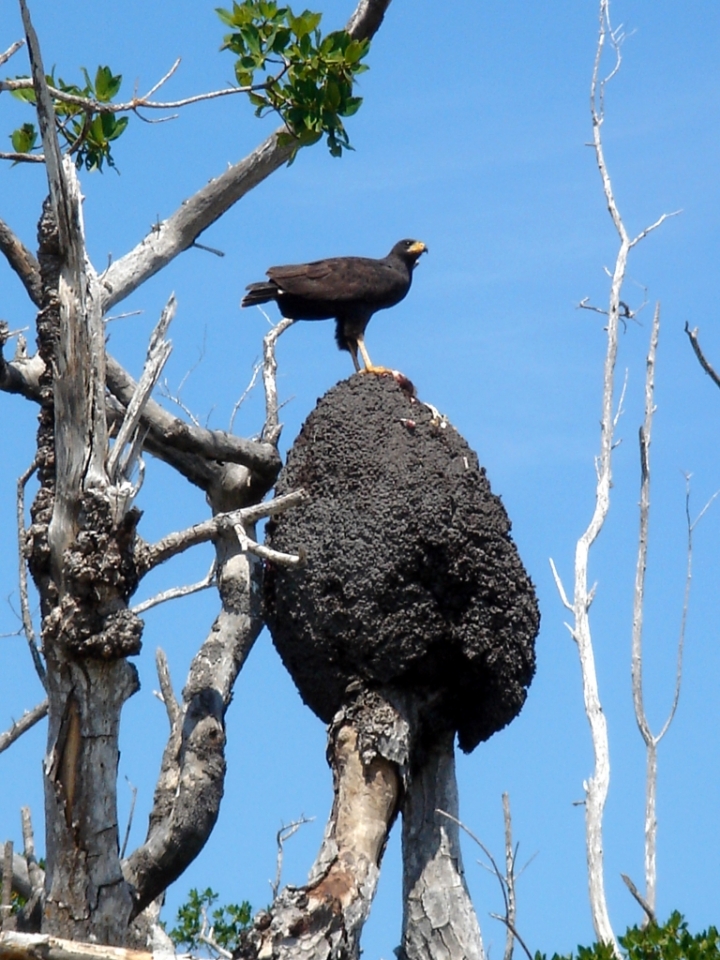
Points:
[(313, 86), (220, 931), (305, 78)]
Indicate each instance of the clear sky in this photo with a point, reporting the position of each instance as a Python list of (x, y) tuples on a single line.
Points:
[(472, 138)]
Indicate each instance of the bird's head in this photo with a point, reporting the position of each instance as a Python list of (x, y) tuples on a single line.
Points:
[(409, 250)]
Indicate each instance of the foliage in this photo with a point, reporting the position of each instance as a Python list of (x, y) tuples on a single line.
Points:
[(224, 925), (311, 88), (87, 133), (671, 941)]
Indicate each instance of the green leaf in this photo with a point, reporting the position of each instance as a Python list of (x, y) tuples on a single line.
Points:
[(351, 106), (27, 95), (106, 84), (24, 138), (356, 50)]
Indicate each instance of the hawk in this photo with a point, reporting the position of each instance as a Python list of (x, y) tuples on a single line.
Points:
[(348, 289)]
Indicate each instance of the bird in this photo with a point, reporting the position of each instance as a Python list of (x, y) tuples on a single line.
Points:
[(348, 289)]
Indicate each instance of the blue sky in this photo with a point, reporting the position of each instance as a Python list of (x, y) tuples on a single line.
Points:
[(472, 138)]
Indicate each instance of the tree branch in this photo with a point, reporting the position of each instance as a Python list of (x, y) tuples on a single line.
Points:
[(222, 524), (22, 262), (22, 577), (22, 374), (165, 430), (21, 726), (692, 337), (173, 236)]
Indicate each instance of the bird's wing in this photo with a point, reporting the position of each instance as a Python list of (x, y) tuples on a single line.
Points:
[(341, 279)]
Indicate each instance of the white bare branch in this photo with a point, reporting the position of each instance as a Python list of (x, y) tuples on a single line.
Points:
[(21, 726), (596, 786), (282, 836), (36, 874), (174, 593), (23, 579), (11, 50), (272, 428), (159, 350), (178, 542), (559, 585), (166, 689)]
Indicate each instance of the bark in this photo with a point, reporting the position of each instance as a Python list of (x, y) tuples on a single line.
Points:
[(83, 570), (35, 946), (368, 751), (439, 920), (22, 373)]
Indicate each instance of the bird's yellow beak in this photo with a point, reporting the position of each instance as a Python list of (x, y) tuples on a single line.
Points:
[(418, 248)]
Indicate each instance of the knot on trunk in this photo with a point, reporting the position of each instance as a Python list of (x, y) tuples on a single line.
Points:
[(412, 580), (100, 575)]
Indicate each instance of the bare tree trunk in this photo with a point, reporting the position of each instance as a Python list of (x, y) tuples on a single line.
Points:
[(438, 919), (367, 750)]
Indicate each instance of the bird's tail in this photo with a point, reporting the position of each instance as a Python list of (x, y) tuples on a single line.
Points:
[(259, 293)]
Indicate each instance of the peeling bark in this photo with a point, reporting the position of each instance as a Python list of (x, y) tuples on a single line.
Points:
[(367, 751)]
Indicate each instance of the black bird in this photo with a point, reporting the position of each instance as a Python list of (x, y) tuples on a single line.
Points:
[(350, 289)]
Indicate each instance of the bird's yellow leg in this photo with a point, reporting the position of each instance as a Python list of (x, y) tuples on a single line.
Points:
[(369, 365)]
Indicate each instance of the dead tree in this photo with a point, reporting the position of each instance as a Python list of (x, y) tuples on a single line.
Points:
[(596, 786), (86, 555)]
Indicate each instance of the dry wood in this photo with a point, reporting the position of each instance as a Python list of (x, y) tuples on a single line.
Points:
[(167, 430), (21, 726), (438, 916), (37, 946), (368, 749), (597, 785)]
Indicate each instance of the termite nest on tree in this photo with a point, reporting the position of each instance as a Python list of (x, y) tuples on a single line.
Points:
[(412, 581)]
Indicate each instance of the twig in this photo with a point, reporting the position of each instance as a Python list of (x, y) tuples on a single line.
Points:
[(176, 543), (651, 742), (272, 428), (89, 105), (509, 878), (21, 726), (23, 157), (23, 262), (244, 395), (282, 836), (22, 576), (166, 689), (692, 337), (11, 50), (175, 593), (157, 354), (652, 917), (123, 316), (513, 932), (207, 936), (131, 814)]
